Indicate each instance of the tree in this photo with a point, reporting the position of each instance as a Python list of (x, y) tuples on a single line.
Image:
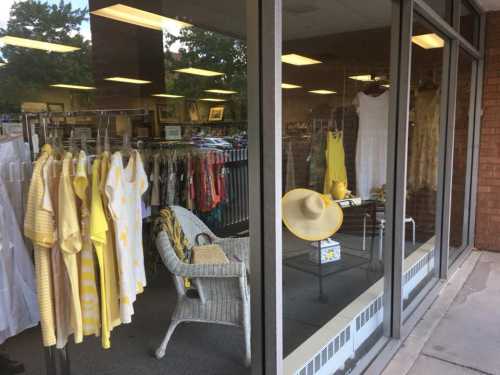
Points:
[(28, 70), (208, 50)]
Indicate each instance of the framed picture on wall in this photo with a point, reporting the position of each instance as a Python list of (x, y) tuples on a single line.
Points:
[(193, 112), (173, 133), (216, 114), (55, 107), (169, 112)]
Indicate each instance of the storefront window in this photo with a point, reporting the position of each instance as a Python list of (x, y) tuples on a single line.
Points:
[(160, 85), (421, 253), (459, 222), (469, 23), (336, 94)]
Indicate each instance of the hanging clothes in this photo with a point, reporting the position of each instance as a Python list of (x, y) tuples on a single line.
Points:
[(62, 293), (88, 286), (348, 118), (39, 227), (18, 299), (424, 143), (290, 168), (124, 189), (371, 147), (317, 163), (335, 161), (70, 242), (103, 244)]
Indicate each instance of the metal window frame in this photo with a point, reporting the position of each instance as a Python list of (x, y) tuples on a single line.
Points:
[(264, 76), (396, 177)]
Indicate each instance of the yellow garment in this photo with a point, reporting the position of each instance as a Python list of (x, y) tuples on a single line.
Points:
[(168, 222), (70, 242), (39, 226), (99, 233), (88, 287), (335, 161)]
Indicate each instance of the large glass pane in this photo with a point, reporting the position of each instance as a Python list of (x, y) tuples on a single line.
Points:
[(162, 86), (469, 23), (336, 95), (442, 7), (420, 265), (459, 220)]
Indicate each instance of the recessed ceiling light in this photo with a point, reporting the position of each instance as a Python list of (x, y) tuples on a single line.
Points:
[(37, 44), (428, 41), (322, 92), (288, 86), (294, 59), (72, 87), (213, 100), (127, 80), (220, 91), (168, 96), (199, 72), (135, 16), (386, 85), (363, 78)]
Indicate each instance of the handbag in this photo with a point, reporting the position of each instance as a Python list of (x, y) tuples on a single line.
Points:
[(207, 253)]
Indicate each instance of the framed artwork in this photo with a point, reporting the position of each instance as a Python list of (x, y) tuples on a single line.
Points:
[(216, 114), (55, 107), (173, 133), (193, 112), (168, 112)]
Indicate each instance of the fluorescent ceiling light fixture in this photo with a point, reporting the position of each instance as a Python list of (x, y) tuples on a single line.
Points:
[(386, 85), (127, 80), (428, 41), (199, 72), (294, 59), (363, 78), (135, 16), (2, 64), (288, 86), (37, 44), (213, 99), (322, 92), (220, 91), (168, 96), (73, 87)]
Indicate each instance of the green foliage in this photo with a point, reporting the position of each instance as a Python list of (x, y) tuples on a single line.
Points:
[(28, 70), (206, 50)]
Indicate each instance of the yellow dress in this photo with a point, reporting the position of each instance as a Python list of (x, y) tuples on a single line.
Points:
[(335, 161), (39, 226), (99, 233), (88, 287), (70, 242)]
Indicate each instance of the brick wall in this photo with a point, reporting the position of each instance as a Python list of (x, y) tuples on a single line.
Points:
[(488, 197)]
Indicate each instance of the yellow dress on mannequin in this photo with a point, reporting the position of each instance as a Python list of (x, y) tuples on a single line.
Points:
[(335, 162)]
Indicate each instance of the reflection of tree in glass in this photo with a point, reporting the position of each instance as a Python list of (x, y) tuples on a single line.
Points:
[(207, 50), (28, 70)]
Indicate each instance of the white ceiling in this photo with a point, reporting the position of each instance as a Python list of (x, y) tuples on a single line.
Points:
[(490, 4), (301, 18)]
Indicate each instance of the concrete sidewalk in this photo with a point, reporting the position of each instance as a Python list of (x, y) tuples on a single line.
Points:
[(461, 337)]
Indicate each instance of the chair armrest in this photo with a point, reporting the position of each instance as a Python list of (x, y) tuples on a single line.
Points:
[(178, 268), (210, 270)]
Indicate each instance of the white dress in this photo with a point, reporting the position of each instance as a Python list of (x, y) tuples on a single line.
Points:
[(124, 189), (371, 148), (18, 300)]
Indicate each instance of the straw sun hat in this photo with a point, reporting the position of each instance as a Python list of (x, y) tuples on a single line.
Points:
[(311, 216)]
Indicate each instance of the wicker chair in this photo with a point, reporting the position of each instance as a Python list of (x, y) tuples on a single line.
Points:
[(224, 294)]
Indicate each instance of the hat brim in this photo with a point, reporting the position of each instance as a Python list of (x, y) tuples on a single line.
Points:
[(305, 228)]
